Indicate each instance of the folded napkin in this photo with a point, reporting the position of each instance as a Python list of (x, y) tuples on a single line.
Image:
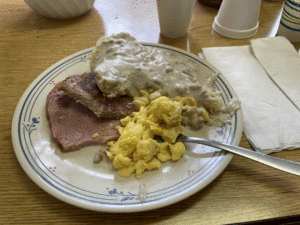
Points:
[(282, 63), (271, 119)]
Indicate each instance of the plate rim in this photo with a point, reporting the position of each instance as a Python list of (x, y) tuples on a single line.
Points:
[(112, 208)]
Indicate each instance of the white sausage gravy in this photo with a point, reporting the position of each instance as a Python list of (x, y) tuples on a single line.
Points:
[(123, 66)]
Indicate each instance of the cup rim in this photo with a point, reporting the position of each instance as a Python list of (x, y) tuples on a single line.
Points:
[(232, 33)]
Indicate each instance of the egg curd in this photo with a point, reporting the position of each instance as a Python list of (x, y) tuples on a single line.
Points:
[(157, 117)]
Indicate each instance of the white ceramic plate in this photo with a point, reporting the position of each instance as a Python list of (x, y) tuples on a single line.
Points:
[(73, 178)]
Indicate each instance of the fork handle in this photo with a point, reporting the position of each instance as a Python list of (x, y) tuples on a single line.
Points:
[(281, 164)]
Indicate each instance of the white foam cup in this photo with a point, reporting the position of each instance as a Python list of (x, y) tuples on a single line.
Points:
[(237, 19), (175, 16)]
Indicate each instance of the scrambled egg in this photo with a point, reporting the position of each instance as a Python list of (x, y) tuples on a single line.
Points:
[(137, 150)]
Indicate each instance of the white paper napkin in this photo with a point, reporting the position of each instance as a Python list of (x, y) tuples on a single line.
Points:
[(282, 63), (271, 120)]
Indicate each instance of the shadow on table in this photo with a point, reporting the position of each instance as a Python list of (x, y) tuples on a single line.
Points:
[(26, 20), (32, 21), (175, 42)]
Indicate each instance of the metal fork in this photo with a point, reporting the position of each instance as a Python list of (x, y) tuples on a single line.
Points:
[(281, 164)]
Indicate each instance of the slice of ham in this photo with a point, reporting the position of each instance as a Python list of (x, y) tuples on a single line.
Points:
[(84, 89), (73, 124)]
